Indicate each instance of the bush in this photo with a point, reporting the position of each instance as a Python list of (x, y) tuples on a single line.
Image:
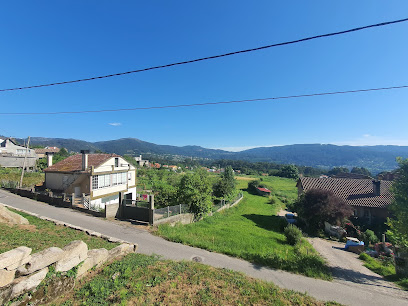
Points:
[(369, 237), (293, 234)]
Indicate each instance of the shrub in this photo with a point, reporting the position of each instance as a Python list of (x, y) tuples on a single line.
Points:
[(369, 237), (293, 234)]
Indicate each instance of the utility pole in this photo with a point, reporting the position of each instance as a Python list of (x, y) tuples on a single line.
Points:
[(24, 164)]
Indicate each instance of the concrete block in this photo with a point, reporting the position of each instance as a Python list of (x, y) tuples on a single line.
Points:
[(14, 257), (41, 260), (6, 277), (122, 250), (95, 258), (28, 283), (73, 253)]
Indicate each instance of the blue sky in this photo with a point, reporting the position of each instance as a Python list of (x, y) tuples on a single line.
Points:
[(51, 41)]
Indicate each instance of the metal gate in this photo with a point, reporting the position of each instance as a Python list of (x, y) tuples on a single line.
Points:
[(136, 210)]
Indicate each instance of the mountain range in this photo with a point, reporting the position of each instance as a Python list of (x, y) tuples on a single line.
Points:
[(375, 158)]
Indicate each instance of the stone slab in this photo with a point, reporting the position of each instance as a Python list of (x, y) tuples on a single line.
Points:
[(14, 256), (28, 283), (41, 260), (6, 277)]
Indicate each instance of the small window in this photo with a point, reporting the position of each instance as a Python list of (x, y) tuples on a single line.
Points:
[(116, 161), (129, 176)]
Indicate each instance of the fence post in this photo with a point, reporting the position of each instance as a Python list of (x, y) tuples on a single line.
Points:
[(151, 210), (168, 211), (73, 200), (180, 209)]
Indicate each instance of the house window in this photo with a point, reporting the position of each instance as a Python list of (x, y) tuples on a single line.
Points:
[(129, 176), (95, 182), (114, 179), (116, 162)]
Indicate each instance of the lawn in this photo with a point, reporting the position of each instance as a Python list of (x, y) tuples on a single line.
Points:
[(145, 280), (41, 234), (252, 231)]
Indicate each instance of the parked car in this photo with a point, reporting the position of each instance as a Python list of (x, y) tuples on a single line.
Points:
[(290, 218)]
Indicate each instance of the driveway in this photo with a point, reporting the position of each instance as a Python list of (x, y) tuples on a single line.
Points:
[(150, 244), (347, 269)]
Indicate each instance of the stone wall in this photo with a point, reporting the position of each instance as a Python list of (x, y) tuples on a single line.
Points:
[(22, 272), (112, 210)]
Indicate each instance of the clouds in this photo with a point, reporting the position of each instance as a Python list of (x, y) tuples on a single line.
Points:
[(115, 124)]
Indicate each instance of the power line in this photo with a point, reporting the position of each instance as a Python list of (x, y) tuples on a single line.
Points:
[(211, 57), (213, 103)]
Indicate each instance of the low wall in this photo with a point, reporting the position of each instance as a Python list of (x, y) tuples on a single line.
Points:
[(51, 272), (112, 210), (183, 219), (47, 198)]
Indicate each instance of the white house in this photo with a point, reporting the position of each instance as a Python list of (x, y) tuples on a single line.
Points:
[(95, 180), (12, 155)]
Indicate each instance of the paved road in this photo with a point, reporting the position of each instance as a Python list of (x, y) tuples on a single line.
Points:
[(150, 244), (349, 270)]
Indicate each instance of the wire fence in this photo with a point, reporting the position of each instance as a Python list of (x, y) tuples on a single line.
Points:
[(169, 211)]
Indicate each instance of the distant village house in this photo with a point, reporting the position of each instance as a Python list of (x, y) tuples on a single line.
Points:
[(369, 198), (13, 155)]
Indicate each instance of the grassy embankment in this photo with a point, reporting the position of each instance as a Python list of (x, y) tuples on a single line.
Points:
[(386, 269), (252, 231), (41, 234), (11, 177), (144, 280)]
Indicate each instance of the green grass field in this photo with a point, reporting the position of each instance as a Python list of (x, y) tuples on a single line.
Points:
[(41, 234), (11, 177), (252, 231), (146, 280)]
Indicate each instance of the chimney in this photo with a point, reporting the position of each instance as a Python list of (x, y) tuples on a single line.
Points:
[(49, 158), (376, 187), (84, 159)]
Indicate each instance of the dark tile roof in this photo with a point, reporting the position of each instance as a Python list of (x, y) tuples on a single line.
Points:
[(74, 162), (356, 192), (43, 151)]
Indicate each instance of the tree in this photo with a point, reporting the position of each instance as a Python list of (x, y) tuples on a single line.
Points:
[(225, 187), (289, 171), (398, 232), (337, 170), (195, 189), (317, 206), (361, 170)]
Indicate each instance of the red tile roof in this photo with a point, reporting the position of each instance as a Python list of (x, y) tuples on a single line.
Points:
[(74, 162), (356, 192), (263, 189)]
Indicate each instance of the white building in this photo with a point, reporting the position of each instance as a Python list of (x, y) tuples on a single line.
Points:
[(96, 180), (12, 155)]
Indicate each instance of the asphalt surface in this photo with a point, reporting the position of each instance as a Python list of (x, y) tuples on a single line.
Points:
[(347, 293)]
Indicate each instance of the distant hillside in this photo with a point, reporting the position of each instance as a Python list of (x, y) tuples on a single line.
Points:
[(374, 158)]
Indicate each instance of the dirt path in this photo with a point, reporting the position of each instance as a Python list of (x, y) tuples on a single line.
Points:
[(349, 270)]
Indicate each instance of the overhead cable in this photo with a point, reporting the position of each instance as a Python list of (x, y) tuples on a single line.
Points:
[(209, 57), (211, 103)]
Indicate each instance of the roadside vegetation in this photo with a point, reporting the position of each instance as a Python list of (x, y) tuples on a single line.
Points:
[(10, 177), (42, 234), (384, 267), (146, 280), (252, 231)]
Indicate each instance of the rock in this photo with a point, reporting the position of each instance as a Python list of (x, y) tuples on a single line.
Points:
[(95, 258), (7, 216), (74, 253), (114, 240), (122, 250), (6, 277), (93, 233), (14, 257), (28, 283), (19, 263), (40, 260), (5, 293)]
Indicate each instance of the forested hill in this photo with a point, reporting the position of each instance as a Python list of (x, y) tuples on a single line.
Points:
[(374, 158)]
